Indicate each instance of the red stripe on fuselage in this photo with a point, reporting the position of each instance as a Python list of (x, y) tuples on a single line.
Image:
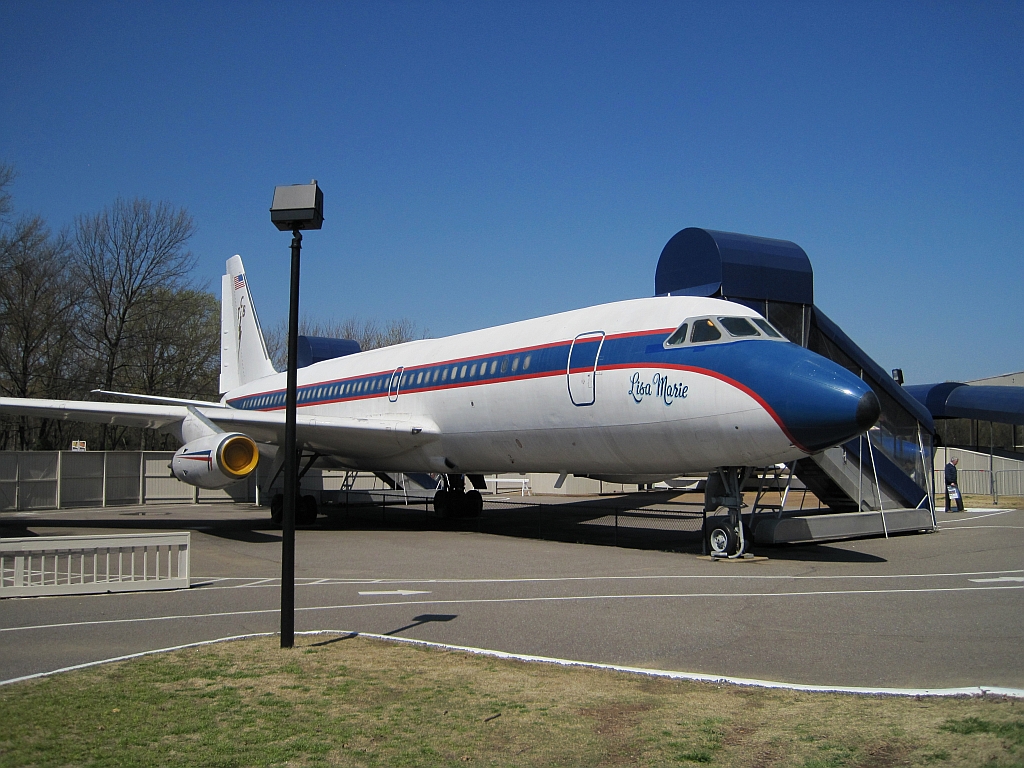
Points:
[(523, 377), (723, 378)]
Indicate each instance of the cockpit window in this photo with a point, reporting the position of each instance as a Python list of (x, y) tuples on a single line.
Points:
[(738, 326), (678, 336), (765, 326), (704, 330)]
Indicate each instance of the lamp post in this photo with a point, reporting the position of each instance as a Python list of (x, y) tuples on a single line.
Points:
[(295, 207)]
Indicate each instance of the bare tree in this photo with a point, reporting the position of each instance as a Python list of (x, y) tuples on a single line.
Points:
[(7, 176), (369, 333), (36, 312), (110, 305), (130, 260), (176, 352)]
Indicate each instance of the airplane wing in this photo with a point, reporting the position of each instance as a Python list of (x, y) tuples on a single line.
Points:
[(348, 437), (152, 416)]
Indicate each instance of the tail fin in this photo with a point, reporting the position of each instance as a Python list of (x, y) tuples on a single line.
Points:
[(243, 351)]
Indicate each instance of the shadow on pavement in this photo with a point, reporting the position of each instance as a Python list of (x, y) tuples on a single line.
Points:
[(651, 521), (656, 521), (132, 522), (347, 636), (249, 536), (818, 553), (425, 618)]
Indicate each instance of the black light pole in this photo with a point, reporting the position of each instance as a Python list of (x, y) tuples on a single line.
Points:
[(295, 207), (291, 470)]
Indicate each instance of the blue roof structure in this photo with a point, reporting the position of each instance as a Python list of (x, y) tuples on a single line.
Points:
[(316, 349), (706, 262), (954, 400)]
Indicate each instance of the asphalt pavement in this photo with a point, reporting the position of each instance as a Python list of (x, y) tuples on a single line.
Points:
[(937, 610)]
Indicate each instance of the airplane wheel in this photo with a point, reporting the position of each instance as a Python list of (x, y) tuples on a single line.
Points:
[(442, 503), (473, 504), (277, 509), (306, 510), (722, 539)]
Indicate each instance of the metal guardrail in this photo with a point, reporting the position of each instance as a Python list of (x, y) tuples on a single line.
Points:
[(75, 565), (31, 480)]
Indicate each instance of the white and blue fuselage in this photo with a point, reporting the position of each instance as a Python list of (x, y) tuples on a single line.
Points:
[(594, 391)]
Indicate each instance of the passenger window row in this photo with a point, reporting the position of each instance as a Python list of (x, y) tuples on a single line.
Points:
[(501, 366), (380, 384)]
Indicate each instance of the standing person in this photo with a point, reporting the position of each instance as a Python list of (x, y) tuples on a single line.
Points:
[(952, 489)]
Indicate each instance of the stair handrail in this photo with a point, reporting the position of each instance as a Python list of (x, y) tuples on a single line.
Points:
[(878, 487)]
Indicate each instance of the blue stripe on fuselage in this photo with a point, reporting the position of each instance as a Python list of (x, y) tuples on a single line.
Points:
[(813, 399)]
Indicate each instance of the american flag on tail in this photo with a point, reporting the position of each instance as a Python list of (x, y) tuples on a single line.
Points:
[(239, 282)]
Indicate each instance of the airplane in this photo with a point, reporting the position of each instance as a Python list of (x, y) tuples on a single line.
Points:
[(633, 391)]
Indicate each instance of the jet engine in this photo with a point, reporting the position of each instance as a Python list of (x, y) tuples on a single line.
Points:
[(215, 461)]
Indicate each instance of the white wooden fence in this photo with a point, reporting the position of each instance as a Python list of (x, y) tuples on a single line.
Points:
[(66, 565)]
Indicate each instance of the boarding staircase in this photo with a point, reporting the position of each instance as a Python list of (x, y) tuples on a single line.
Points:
[(888, 469), (890, 466)]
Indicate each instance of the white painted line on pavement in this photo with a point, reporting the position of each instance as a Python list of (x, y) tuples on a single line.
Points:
[(664, 577), (406, 592), (497, 600), (1000, 578), (980, 690), (991, 513), (140, 654)]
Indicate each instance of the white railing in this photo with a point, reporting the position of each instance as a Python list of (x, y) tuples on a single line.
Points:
[(66, 565), (522, 483)]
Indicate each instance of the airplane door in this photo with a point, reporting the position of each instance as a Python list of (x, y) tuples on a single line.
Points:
[(395, 384), (583, 367)]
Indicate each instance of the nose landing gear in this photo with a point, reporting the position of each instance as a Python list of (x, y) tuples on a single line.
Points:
[(453, 501), (725, 535)]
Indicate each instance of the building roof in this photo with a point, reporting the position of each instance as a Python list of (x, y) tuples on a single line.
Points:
[(1015, 379)]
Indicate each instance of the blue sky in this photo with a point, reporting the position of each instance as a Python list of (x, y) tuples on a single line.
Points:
[(484, 162)]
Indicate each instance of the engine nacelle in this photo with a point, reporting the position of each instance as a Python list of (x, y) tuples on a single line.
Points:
[(215, 461)]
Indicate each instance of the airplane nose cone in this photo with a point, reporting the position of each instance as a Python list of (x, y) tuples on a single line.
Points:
[(816, 402), (821, 403), (868, 410)]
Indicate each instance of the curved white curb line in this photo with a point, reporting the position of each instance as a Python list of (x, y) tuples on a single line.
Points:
[(981, 690), (88, 664)]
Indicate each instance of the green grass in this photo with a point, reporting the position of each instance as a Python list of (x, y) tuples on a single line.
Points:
[(362, 702), (1011, 731)]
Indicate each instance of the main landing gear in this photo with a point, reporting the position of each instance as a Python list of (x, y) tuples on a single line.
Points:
[(306, 509), (453, 501), (723, 503)]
